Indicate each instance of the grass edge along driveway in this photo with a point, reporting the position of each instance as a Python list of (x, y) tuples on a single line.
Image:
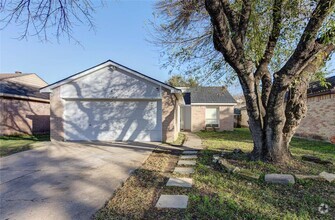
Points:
[(14, 144)]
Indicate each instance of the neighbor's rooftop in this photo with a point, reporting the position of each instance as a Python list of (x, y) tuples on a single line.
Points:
[(207, 95)]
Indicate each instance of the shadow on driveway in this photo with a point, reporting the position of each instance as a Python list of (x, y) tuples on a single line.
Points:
[(66, 180)]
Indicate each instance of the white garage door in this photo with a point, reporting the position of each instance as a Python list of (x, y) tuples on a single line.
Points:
[(113, 120)]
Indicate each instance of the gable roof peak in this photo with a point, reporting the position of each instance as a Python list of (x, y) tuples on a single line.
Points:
[(105, 64)]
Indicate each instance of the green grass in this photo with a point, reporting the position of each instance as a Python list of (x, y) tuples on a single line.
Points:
[(220, 195), (241, 138), (13, 144), (180, 140)]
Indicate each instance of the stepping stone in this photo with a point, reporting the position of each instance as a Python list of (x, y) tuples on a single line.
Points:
[(280, 178), (187, 162), (330, 177), (248, 175), (186, 157), (172, 201), (183, 170), (186, 152), (180, 182), (303, 177)]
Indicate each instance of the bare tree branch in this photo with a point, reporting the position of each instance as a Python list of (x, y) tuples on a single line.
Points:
[(39, 17), (243, 22), (231, 15)]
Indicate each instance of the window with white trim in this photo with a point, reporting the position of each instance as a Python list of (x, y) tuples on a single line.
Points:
[(212, 117)]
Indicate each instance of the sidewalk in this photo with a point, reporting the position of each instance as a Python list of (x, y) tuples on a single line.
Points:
[(192, 141)]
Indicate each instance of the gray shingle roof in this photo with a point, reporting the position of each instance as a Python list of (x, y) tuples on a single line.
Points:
[(317, 88), (14, 88), (211, 95)]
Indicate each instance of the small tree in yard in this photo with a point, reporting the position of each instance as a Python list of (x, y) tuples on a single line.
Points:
[(274, 47)]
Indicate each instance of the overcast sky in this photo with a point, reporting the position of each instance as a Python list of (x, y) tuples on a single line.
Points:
[(121, 33)]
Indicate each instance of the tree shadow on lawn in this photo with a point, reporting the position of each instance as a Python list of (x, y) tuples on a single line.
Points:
[(321, 149)]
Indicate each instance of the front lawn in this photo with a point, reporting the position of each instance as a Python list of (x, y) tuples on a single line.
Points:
[(241, 138), (13, 144), (220, 195)]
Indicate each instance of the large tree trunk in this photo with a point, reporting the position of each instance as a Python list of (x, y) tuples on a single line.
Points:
[(272, 138), (275, 103)]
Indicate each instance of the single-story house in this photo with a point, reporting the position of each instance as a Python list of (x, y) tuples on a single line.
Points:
[(207, 107), (24, 110), (111, 102), (319, 122)]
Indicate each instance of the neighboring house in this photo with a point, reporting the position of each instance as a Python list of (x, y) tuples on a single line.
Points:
[(319, 122), (24, 110), (111, 102), (207, 107)]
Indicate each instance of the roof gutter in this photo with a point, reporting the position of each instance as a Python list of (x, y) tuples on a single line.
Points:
[(24, 97), (321, 93)]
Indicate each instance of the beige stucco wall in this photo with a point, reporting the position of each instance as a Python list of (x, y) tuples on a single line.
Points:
[(22, 116), (169, 117), (198, 118), (56, 116), (319, 122)]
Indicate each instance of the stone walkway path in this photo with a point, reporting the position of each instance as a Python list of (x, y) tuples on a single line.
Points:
[(192, 141), (187, 160)]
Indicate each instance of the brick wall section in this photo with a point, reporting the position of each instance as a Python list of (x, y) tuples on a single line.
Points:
[(319, 122), (21, 116), (56, 116), (169, 117), (226, 118), (198, 118)]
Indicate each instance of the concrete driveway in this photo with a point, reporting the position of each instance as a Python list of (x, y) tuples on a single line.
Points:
[(65, 180)]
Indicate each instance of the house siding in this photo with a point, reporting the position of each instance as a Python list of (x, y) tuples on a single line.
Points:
[(226, 118), (22, 116), (169, 116), (56, 116), (198, 118), (110, 84), (319, 122)]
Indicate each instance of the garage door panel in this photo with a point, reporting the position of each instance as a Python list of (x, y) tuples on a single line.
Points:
[(113, 120)]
